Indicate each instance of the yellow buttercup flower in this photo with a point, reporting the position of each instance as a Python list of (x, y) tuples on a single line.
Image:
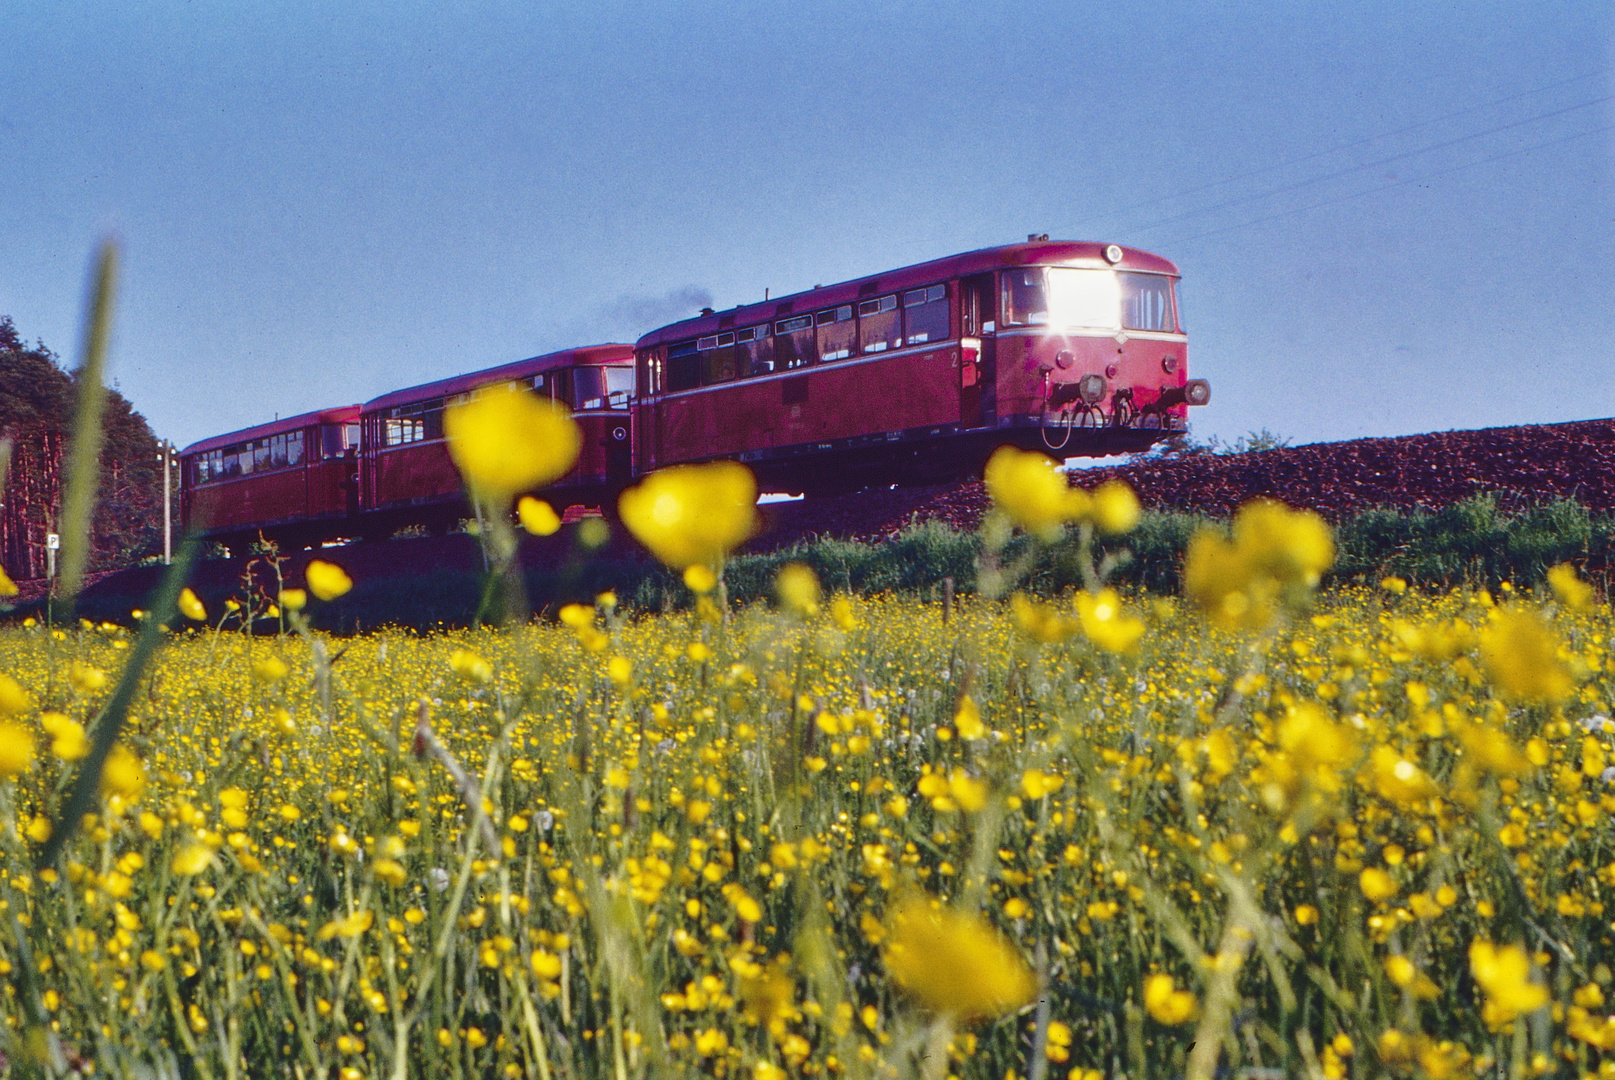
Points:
[(1113, 508), (269, 669), (1376, 884), (1031, 491), (1522, 658), (1504, 974), (1040, 622), (798, 589), (692, 514), (507, 440), (293, 599), (537, 516), (1105, 624), (86, 678), (1166, 1002), (1572, 592), (968, 719), (326, 580), (13, 698), (123, 774), (1291, 546), (700, 579), (68, 740), (1273, 552), (1398, 779), (7, 586), (191, 860), (16, 750), (191, 606), (468, 665), (953, 962)]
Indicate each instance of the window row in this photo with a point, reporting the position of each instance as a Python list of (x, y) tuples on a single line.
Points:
[(587, 387), (577, 388), (914, 317), (275, 452)]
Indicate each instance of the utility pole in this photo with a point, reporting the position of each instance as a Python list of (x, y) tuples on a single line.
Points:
[(167, 458)]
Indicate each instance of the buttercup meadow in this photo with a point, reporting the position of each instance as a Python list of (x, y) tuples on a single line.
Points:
[(1354, 833)]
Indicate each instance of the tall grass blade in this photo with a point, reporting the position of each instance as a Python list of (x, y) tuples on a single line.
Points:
[(164, 607), (84, 456)]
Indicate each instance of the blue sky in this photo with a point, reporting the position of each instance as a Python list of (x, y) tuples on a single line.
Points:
[(1390, 218)]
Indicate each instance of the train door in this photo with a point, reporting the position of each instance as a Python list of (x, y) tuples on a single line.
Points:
[(978, 352)]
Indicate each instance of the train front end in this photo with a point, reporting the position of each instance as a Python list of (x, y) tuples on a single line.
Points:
[(1088, 347)]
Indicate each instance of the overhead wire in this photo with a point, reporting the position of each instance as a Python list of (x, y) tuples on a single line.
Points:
[(1398, 183), (1346, 146), (1377, 163)]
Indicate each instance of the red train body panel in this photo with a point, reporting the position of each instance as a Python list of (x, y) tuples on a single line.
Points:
[(918, 374), (293, 475), (408, 477), (909, 376)]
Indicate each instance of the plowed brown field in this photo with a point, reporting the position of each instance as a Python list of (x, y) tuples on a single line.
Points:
[(1522, 466)]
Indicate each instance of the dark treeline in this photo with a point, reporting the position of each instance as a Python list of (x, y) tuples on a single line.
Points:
[(37, 400)]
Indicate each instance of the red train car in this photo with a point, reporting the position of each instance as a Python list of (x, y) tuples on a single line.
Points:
[(407, 476), (293, 479), (917, 375)]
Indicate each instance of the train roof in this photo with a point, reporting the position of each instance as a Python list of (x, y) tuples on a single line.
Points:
[(339, 415), (588, 355), (1031, 253)]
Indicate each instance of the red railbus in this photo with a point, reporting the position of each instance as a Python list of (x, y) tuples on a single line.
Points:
[(916, 375), (408, 478), (294, 479)]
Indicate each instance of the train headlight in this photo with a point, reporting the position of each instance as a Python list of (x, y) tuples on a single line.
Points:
[(1091, 388), (1197, 391), (1113, 254)]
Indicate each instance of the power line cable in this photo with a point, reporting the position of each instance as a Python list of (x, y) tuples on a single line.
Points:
[(1397, 184), (1299, 184), (1345, 146)]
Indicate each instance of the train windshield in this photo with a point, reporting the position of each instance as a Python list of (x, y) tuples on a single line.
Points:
[(1147, 302), (602, 387), (1064, 297)]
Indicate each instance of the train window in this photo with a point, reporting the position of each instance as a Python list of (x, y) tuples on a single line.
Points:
[(754, 350), (837, 333), (402, 428), (1025, 303), (261, 458), (717, 358), (294, 447), (1084, 298), (277, 451), (331, 441), (683, 366), (603, 387), (1147, 302), (925, 314), (880, 325), (619, 386), (794, 343)]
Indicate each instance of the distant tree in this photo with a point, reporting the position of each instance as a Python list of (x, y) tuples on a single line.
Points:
[(1182, 444), (36, 415), (1257, 441)]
